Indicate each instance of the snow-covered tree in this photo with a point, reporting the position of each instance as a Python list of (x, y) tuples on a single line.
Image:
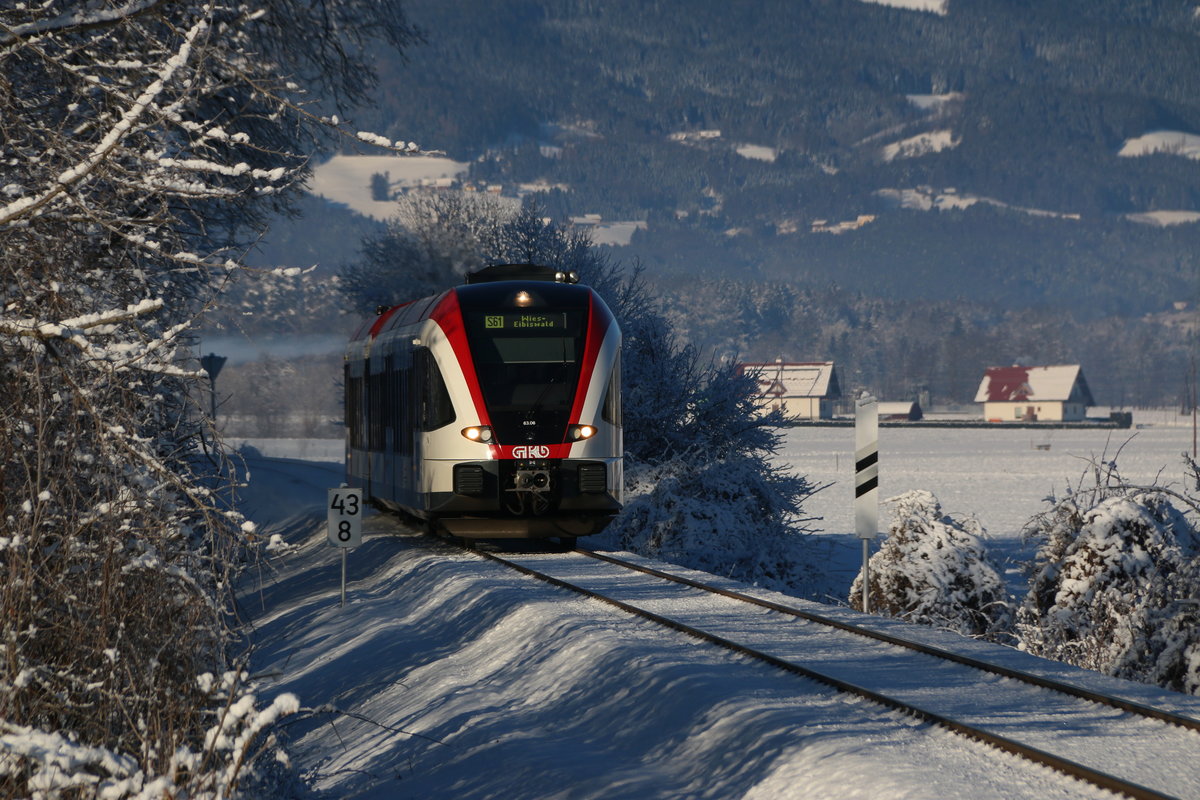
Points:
[(431, 243), (140, 142), (700, 488), (932, 569), (1113, 582)]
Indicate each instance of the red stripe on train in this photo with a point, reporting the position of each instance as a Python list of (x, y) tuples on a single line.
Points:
[(598, 323), (448, 316)]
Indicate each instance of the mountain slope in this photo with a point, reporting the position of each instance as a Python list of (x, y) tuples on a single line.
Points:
[(647, 111)]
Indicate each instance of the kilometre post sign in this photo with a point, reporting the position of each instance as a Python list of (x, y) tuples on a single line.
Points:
[(345, 517)]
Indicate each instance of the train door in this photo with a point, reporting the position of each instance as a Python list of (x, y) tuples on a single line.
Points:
[(432, 409)]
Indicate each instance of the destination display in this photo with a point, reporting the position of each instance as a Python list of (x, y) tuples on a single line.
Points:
[(524, 321)]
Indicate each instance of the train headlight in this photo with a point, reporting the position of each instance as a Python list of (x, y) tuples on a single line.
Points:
[(580, 432), (478, 433)]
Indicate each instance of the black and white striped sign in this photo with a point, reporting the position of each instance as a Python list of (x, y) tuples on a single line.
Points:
[(866, 467)]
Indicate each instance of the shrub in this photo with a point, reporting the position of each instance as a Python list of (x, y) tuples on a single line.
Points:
[(934, 570), (1113, 562)]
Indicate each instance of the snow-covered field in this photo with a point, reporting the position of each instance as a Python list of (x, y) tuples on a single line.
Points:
[(1171, 142), (1001, 476), (940, 7), (920, 145), (347, 178), (998, 475)]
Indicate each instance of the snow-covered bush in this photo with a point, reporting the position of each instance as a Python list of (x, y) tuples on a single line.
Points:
[(700, 489), (434, 240), (736, 516), (934, 570), (1113, 563), (52, 765)]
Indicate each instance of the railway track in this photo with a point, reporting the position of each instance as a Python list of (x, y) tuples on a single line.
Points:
[(1114, 743)]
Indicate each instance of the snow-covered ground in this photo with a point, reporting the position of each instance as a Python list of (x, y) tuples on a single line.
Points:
[(1162, 219), (933, 102), (1177, 143), (940, 7), (347, 178), (757, 151), (447, 676), (924, 198), (920, 145)]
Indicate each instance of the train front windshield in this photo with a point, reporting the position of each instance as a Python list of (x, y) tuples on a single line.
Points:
[(528, 368)]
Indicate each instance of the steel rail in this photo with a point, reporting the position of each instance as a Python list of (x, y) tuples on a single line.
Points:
[(1062, 765), (1119, 703)]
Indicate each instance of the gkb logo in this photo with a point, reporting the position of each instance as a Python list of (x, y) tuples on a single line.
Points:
[(532, 451)]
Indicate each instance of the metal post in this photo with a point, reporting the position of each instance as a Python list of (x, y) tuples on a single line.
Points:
[(212, 364), (344, 576), (866, 483), (866, 571)]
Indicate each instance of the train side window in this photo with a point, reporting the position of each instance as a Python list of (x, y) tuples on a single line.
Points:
[(375, 410), (611, 410), (405, 405), (436, 408), (390, 395), (353, 410)]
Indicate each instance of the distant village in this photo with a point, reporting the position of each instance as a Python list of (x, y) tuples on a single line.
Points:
[(809, 392)]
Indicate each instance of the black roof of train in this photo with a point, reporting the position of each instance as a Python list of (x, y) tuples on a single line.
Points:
[(521, 272)]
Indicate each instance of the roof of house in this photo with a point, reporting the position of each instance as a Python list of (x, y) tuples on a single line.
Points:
[(1016, 384), (795, 379)]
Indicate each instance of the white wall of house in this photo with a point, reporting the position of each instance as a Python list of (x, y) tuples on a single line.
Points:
[(808, 407), (1044, 411)]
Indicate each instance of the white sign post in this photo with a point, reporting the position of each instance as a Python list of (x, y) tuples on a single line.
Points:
[(345, 523), (866, 482)]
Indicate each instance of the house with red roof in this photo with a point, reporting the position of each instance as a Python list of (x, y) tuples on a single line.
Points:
[(1034, 394), (801, 390)]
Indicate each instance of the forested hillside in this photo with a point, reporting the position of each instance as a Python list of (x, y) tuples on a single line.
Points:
[(1023, 104), (1024, 172)]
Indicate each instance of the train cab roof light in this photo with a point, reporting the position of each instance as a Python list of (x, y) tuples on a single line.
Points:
[(523, 299), (479, 433), (577, 433)]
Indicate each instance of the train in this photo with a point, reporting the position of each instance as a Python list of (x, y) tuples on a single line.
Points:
[(492, 409)]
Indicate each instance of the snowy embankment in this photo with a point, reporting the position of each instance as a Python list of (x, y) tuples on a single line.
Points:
[(448, 676)]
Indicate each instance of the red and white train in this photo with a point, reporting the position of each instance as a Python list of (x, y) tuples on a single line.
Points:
[(491, 410)]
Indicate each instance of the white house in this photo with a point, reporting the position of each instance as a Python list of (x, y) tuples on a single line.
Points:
[(802, 390), (1016, 393)]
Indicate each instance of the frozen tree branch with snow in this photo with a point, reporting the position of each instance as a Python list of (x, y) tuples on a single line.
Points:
[(142, 143)]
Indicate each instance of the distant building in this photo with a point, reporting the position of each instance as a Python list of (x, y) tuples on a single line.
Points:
[(802, 390), (910, 411), (1016, 393)]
